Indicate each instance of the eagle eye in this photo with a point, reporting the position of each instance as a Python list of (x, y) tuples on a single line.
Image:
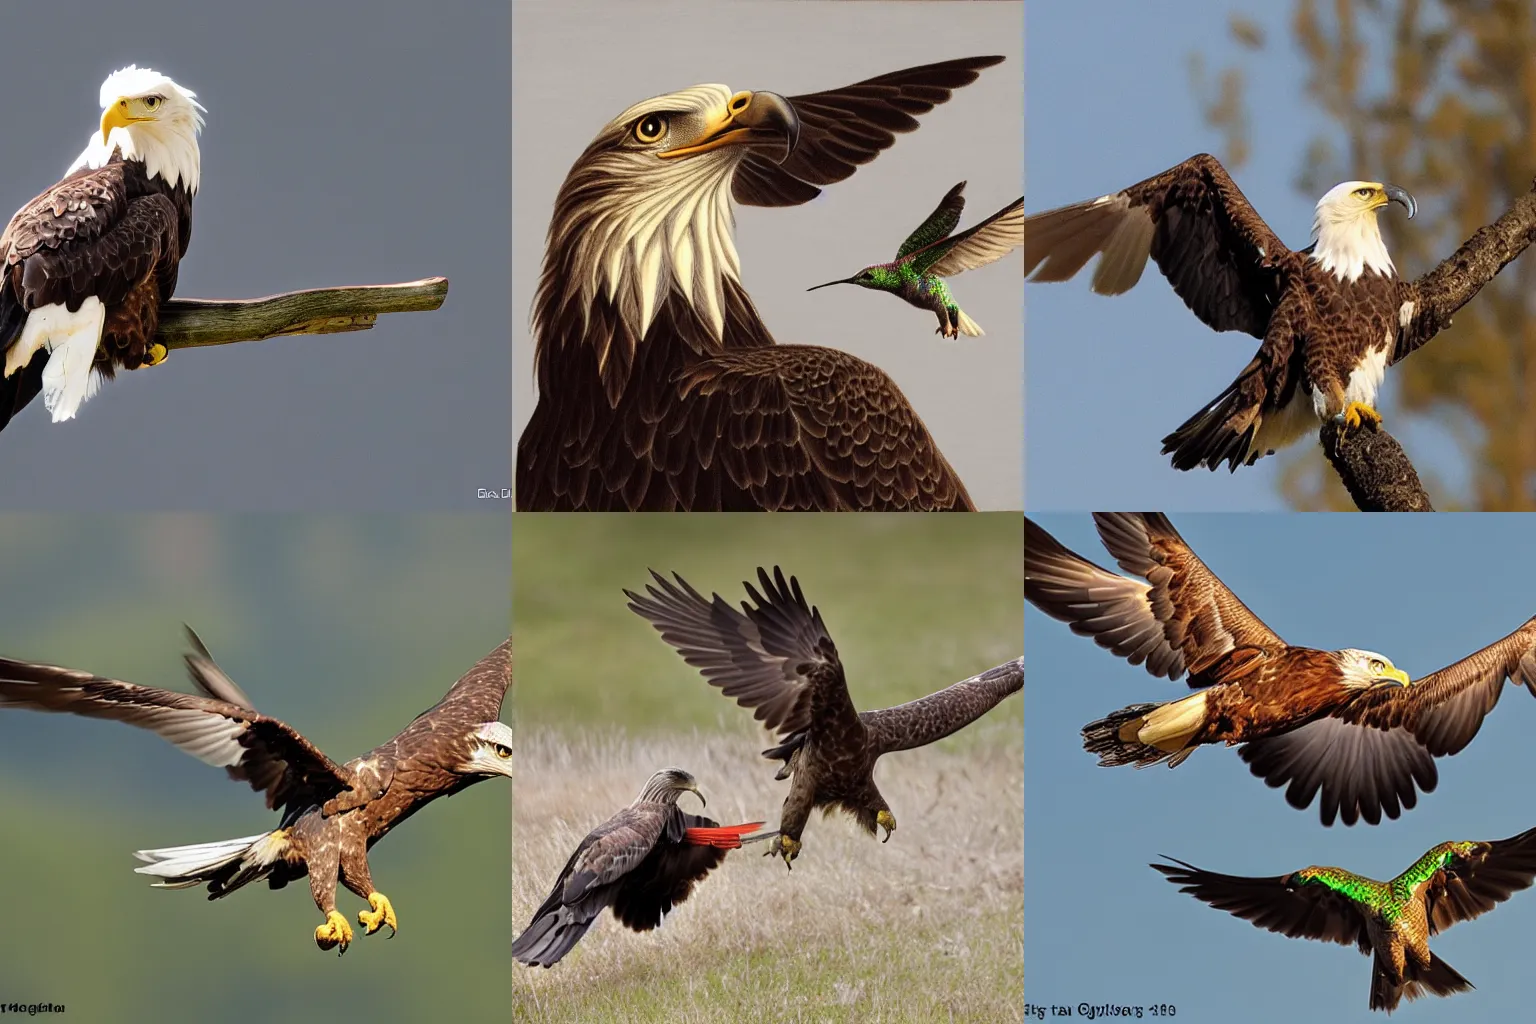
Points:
[(1364, 193), (503, 751), (1377, 665), (651, 128), (152, 103)]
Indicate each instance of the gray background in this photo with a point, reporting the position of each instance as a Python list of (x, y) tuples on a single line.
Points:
[(340, 149), (577, 66), (346, 627)]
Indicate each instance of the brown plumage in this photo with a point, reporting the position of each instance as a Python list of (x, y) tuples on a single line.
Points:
[(1347, 722), (331, 813), (776, 657), (1389, 921), (1332, 316), (641, 862), (660, 388)]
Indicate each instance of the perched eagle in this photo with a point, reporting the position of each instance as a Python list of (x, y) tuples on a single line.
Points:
[(776, 657), (332, 814), (1348, 722), (660, 387), (87, 264), (1332, 316), (1390, 922), (641, 862)]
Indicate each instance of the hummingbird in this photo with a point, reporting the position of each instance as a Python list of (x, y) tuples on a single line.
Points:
[(1389, 921), (931, 253)]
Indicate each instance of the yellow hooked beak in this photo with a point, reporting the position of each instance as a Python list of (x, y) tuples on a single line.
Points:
[(750, 118), (117, 115), (1395, 675)]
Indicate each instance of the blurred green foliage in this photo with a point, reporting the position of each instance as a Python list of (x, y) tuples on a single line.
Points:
[(914, 603), (344, 626)]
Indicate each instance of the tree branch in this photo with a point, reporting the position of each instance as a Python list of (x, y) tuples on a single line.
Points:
[(1375, 469), (195, 323)]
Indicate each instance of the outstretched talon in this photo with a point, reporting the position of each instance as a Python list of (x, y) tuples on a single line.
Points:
[(785, 847), (887, 821), (335, 932), (381, 915), (155, 355), (1357, 413)]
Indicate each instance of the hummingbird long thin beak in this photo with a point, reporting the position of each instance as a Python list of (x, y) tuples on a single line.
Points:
[(829, 284)]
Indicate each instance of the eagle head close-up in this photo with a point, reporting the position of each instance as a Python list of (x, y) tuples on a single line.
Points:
[(1344, 225), (148, 117), (491, 752), (1367, 668)]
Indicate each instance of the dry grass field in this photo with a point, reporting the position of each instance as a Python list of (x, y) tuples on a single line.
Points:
[(928, 927)]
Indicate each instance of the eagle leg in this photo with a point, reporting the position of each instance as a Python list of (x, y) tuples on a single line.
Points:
[(887, 821), (383, 913), (1357, 413), (785, 847), (335, 932)]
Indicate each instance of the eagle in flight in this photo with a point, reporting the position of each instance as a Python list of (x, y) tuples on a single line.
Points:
[(85, 267), (659, 386), (1331, 317), (332, 814), (1347, 722), (776, 657)]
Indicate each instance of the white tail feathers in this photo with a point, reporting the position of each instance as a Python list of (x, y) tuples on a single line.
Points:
[(227, 865), (968, 326), (1171, 726), (71, 340)]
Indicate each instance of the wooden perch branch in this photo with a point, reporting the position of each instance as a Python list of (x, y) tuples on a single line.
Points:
[(1375, 469), (194, 323)]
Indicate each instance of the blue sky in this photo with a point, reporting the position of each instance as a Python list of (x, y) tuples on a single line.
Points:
[(1103, 927), (1110, 103)]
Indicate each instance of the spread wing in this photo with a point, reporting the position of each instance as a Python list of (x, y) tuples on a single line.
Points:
[(987, 242), (939, 223), (478, 695), (665, 878), (1183, 618), (1361, 772), (843, 129), (935, 716), (769, 656), (1445, 710), (252, 747), (206, 675), (1207, 239), (1476, 882), (1286, 904)]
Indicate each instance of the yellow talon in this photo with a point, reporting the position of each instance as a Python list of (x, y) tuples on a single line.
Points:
[(785, 847), (1357, 413), (382, 914), (887, 821), (335, 932), (155, 354)]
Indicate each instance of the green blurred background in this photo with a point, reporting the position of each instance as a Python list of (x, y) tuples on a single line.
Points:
[(345, 627), (914, 603)]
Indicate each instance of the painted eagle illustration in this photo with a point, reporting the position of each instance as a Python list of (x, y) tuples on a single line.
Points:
[(1390, 922), (1332, 317), (641, 863), (1346, 722), (332, 814), (660, 387), (87, 264), (776, 657)]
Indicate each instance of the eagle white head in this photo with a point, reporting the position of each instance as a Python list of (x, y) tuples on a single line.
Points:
[(646, 209), (490, 752), (667, 785), (1344, 227), (1364, 669), (146, 116)]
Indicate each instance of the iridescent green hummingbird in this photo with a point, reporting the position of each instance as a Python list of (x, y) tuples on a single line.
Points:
[(932, 254), (1390, 921)]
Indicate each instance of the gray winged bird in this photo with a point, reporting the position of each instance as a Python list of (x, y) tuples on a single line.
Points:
[(332, 814), (932, 253), (641, 862), (659, 386), (776, 657)]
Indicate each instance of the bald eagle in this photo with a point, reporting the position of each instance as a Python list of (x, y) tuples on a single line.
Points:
[(660, 388), (87, 264), (1332, 316)]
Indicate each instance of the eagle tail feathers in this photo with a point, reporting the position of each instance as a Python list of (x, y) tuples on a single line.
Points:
[(223, 866), (725, 837), (1147, 734), (1224, 431), (1439, 978), (69, 377)]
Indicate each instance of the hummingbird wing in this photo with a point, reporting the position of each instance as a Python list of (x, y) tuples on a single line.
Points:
[(1301, 905), (985, 243), (938, 225), (843, 129), (1477, 881)]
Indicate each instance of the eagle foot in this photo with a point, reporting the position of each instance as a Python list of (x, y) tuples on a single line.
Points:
[(335, 932), (785, 847), (887, 821), (154, 355), (381, 915), (1356, 414)]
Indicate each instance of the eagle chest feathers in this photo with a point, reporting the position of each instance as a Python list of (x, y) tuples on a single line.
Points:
[(1272, 696), (1351, 333)]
